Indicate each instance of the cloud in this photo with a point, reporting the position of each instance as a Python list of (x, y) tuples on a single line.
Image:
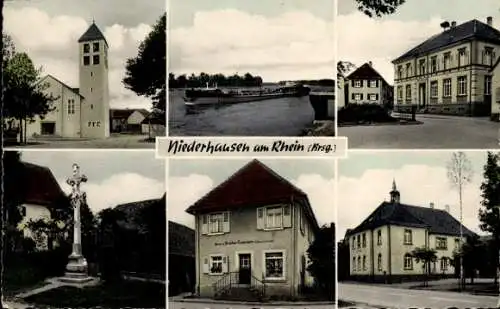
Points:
[(293, 45), (51, 42), (119, 189), (419, 185), (362, 39), (184, 191)]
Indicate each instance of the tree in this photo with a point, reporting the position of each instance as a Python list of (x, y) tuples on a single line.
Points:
[(145, 74), (378, 8), (489, 215), (343, 67), (426, 256), (23, 92), (322, 259), (12, 199), (460, 174), (473, 252)]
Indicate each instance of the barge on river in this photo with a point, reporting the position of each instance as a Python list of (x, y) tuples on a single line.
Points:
[(218, 96)]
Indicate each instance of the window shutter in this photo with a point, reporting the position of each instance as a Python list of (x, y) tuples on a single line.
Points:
[(206, 269), (361, 83), (482, 57), (352, 96), (204, 224), (352, 82), (226, 222), (376, 96), (287, 216), (361, 96), (260, 218), (225, 262), (376, 83)]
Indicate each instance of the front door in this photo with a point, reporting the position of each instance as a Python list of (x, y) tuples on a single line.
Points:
[(245, 271), (422, 95)]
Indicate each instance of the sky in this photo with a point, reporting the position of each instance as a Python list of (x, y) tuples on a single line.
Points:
[(275, 39), (114, 177), (381, 40), (48, 30), (189, 180), (365, 180)]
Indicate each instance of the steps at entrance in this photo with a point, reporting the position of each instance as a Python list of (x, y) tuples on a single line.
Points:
[(240, 294)]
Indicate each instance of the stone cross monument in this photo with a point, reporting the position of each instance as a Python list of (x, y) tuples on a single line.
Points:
[(76, 270)]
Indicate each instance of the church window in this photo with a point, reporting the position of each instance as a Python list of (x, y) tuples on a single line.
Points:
[(91, 74), (86, 48), (71, 106), (91, 106), (95, 59), (86, 60), (96, 47)]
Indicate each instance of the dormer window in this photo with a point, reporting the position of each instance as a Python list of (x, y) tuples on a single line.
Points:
[(95, 47), (86, 48)]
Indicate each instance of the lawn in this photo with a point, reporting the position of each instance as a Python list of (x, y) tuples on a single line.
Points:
[(18, 279), (112, 295), (477, 288)]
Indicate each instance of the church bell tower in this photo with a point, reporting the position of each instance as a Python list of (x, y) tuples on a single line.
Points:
[(94, 83), (395, 196)]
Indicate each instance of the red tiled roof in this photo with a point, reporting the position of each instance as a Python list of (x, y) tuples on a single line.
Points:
[(39, 185), (254, 184)]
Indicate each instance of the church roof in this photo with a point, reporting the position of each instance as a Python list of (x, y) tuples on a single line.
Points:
[(38, 185), (92, 34), (254, 184), (72, 89), (392, 213), (473, 29)]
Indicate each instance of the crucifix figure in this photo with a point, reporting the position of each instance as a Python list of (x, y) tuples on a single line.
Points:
[(77, 265)]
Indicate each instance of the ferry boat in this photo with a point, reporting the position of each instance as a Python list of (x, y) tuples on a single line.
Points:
[(218, 96)]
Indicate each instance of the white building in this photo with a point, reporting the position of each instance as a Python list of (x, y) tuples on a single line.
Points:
[(83, 111)]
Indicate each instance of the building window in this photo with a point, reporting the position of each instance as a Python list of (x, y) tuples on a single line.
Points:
[(86, 60), (216, 263), (434, 64), (408, 237), (364, 240), (400, 71), (488, 56), (408, 69), (364, 262), (359, 241), (487, 85), (379, 262), (447, 87), (457, 244), (71, 106), (446, 60), (357, 84), (408, 93), (444, 264), (274, 265), (434, 89), (216, 223), (354, 263), (373, 84), (379, 237), (441, 243), (86, 48), (96, 47), (400, 93), (91, 74), (462, 59), (462, 85), (353, 243), (359, 263), (357, 96), (274, 217), (91, 105), (95, 59), (91, 89), (408, 262), (373, 97), (421, 66)]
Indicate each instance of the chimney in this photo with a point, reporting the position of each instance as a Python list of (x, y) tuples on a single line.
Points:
[(431, 205), (447, 208), (489, 21), (453, 24)]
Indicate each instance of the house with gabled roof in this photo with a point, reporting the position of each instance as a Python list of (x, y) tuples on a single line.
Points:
[(252, 233), (449, 73), (367, 86), (83, 111), (380, 247)]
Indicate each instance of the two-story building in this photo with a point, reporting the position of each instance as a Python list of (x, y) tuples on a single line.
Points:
[(381, 246), (252, 232), (367, 86), (449, 73)]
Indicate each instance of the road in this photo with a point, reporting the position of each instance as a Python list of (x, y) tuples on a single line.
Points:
[(436, 132), (405, 298), (186, 305), (113, 142)]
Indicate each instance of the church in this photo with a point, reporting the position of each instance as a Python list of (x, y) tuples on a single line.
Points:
[(79, 112)]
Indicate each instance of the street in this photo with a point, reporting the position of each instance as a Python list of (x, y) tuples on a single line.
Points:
[(189, 305), (405, 298), (126, 141), (436, 132)]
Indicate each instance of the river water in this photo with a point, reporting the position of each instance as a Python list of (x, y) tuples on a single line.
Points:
[(277, 117)]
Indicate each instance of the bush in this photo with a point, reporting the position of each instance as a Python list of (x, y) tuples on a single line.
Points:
[(359, 113)]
